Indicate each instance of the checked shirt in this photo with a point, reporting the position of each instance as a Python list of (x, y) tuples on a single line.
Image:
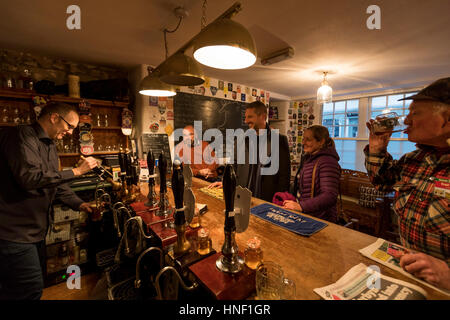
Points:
[(423, 210)]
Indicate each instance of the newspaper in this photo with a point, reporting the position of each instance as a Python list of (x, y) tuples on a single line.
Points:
[(366, 283), (384, 252)]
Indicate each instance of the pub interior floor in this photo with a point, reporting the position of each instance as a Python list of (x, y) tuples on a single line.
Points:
[(93, 287)]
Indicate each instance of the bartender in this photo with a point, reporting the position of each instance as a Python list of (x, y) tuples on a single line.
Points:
[(30, 181)]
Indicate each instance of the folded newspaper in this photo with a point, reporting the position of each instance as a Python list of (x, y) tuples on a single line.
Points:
[(367, 283), (385, 252)]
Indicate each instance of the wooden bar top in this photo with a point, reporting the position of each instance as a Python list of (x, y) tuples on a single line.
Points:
[(311, 262)]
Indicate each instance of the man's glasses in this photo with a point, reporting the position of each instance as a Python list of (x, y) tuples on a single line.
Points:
[(71, 127)]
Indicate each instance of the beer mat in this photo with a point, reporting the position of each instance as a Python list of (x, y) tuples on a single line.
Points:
[(289, 220), (213, 192)]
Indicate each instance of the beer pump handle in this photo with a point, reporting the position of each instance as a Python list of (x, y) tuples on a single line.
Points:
[(162, 164), (229, 188), (178, 185), (129, 164), (100, 171), (122, 162), (150, 162)]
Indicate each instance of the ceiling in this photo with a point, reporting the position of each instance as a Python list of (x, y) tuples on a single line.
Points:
[(411, 49)]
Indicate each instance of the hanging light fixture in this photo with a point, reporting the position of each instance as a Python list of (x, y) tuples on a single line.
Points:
[(324, 93), (181, 70), (152, 86), (225, 44)]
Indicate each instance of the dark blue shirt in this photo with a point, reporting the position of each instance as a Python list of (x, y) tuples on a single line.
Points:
[(30, 181)]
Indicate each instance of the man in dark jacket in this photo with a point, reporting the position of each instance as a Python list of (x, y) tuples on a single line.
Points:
[(29, 182), (258, 176)]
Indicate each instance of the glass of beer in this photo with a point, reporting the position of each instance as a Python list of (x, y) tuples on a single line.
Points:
[(196, 220), (253, 254), (204, 241), (388, 123)]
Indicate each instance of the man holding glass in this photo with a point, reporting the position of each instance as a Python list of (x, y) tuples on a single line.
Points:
[(30, 180), (421, 180)]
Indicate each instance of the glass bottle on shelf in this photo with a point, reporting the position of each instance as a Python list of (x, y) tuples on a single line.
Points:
[(16, 116), (28, 119), (63, 255), (106, 120), (10, 80), (25, 80), (98, 121), (5, 114), (30, 82)]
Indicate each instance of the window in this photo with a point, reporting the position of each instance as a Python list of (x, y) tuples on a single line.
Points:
[(346, 119), (341, 118)]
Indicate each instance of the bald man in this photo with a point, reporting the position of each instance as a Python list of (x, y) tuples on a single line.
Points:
[(202, 170)]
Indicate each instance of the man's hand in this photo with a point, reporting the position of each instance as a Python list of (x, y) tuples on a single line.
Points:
[(431, 269), (85, 165), (85, 207), (217, 184), (292, 205), (204, 172), (377, 142)]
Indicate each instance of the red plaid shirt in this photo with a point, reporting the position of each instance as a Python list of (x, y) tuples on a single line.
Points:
[(423, 209)]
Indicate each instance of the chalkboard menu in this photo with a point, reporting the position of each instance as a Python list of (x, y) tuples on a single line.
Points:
[(157, 142), (213, 112)]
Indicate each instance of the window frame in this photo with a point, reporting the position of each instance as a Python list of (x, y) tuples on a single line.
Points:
[(364, 114)]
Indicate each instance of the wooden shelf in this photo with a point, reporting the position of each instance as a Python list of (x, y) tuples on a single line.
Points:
[(107, 128), (28, 94), (3, 124), (276, 120), (98, 153)]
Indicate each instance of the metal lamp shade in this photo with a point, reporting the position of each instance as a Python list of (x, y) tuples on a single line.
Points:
[(181, 70), (152, 86), (225, 44)]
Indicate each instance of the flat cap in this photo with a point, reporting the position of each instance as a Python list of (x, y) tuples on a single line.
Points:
[(439, 90)]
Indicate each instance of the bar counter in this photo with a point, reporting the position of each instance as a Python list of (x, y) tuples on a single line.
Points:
[(311, 262)]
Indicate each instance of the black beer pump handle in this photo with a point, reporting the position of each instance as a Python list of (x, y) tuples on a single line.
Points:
[(150, 162), (229, 190), (122, 162), (178, 186), (129, 164), (162, 164), (178, 191)]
